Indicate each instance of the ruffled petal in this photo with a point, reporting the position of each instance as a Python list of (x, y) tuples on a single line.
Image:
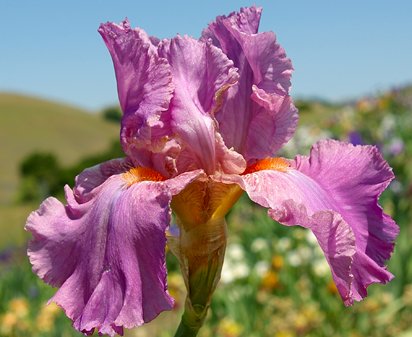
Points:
[(93, 177), (267, 133), (106, 252), (260, 100), (356, 176), (334, 192), (201, 74), (145, 87)]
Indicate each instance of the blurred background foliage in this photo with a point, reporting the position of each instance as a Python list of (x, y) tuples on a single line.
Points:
[(275, 280)]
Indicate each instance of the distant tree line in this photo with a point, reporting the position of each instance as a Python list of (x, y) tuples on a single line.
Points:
[(41, 174), (112, 114)]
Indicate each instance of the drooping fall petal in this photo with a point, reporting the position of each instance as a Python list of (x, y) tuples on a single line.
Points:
[(334, 192), (94, 176), (260, 100), (356, 176), (105, 249)]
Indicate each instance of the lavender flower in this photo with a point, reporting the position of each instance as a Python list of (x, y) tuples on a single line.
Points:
[(202, 121), (355, 138)]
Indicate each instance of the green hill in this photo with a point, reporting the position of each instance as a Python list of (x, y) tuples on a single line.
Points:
[(29, 124)]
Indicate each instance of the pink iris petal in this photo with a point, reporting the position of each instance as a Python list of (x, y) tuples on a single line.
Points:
[(201, 75), (334, 192), (359, 177), (260, 100), (106, 248), (145, 87), (94, 176)]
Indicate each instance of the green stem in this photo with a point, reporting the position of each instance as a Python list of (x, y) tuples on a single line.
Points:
[(201, 252), (192, 321), (185, 331)]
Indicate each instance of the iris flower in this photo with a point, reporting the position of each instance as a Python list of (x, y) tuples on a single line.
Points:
[(202, 123)]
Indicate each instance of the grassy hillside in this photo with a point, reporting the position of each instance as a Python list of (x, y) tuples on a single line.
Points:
[(30, 124)]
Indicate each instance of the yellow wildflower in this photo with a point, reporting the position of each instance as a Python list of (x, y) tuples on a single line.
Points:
[(19, 306), (371, 304), (270, 280), (285, 333), (8, 323), (277, 262), (45, 319), (229, 328), (332, 287)]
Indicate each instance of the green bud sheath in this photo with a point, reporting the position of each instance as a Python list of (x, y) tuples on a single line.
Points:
[(200, 247)]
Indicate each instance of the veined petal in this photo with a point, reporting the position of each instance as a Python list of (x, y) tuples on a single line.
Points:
[(201, 74), (260, 99), (356, 176), (247, 21), (106, 252), (94, 176), (334, 192), (277, 128), (145, 87)]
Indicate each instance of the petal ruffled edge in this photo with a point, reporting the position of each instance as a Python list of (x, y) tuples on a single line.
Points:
[(259, 99), (144, 84), (334, 192), (107, 253)]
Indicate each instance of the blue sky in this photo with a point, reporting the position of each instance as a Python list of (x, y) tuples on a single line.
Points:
[(339, 49)]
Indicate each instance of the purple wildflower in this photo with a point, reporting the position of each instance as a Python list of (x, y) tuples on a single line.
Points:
[(355, 138), (396, 146), (202, 121)]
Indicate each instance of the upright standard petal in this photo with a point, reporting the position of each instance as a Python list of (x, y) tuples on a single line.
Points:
[(201, 74), (260, 100), (334, 192), (144, 84), (106, 248)]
